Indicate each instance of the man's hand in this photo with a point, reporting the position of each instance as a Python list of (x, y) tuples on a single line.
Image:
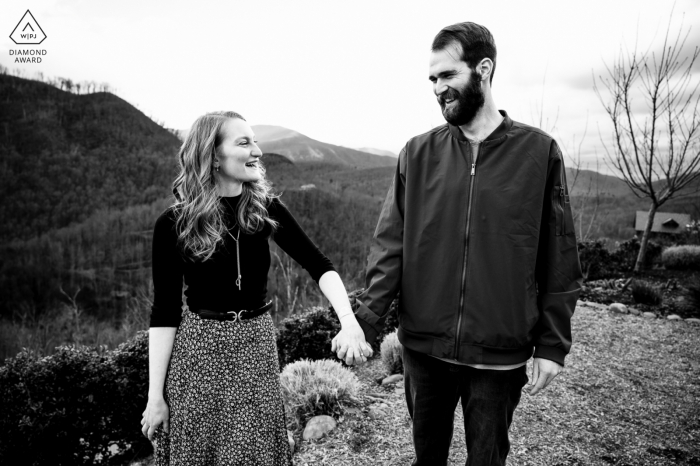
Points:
[(349, 344), (543, 372)]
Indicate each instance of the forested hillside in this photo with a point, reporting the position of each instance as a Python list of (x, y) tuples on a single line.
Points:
[(65, 156)]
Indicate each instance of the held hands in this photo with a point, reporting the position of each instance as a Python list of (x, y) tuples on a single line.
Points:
[(156, 412), (543, 372), (349, 344)]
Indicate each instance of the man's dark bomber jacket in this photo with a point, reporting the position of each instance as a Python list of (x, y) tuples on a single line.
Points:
[(516, 273)]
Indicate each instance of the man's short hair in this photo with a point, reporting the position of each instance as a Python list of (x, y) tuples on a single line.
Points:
[(476, 41)]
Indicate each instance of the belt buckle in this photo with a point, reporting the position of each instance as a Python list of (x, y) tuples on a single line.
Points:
[(236, 315)]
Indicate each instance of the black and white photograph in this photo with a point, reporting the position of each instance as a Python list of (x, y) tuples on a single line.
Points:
[(387, 233)]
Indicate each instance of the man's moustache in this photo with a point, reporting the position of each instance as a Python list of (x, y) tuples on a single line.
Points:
[(450, 94)]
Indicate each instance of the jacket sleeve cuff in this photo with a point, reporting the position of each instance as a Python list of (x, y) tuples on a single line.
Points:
[(368, 320), (550, 352)]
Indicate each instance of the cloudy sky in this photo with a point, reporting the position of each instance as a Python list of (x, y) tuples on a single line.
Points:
[(349, 73)]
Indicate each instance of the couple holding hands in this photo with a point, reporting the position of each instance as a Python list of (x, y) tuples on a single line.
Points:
[(476, 233)]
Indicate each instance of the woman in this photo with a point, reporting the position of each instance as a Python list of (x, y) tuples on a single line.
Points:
[(220, 402)]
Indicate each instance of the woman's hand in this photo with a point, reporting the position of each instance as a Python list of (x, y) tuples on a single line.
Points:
[(156, 413), (349, 344)]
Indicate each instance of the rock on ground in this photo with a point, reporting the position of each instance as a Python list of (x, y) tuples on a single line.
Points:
[(618, 308), (379, 411), (318, 426), (392, 379)]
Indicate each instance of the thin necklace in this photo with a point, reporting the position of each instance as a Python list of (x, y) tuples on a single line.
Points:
[(238, 250), (238, 256)]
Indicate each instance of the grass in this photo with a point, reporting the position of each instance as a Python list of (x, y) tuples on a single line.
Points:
[(630, 395), (391, 354), (310, 388), (681, 257)]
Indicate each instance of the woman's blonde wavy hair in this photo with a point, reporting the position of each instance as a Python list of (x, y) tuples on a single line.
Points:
[(199, 212)]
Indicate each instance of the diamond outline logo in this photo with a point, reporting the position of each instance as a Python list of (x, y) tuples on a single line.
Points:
[(29, 18)]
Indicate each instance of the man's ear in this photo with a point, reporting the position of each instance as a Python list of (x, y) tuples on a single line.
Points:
[(484, 69)]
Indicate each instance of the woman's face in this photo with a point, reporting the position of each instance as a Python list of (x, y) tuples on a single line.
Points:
[(238, 155)]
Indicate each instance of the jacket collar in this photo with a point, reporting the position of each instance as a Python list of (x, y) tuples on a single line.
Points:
[(496, 137)]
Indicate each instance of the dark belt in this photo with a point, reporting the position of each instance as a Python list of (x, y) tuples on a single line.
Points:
[(243, 314)]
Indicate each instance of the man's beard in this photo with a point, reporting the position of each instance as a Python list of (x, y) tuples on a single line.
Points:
[(469, 101)]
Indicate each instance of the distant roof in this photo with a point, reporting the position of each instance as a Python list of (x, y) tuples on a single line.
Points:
[(664, 222)]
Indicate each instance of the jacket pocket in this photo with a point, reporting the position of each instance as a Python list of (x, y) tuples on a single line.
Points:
[(562, 210)]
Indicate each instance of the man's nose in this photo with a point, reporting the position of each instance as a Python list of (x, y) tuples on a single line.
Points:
[(440, 87)]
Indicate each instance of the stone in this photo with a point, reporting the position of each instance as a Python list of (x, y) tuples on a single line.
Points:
[(400, 390), (290, 439), (618, 308), (674, 317), (378, 411), (352, 411), (634, 311), (692, 320), (318, 426), (392, 379), (649, 315), (580, 303)]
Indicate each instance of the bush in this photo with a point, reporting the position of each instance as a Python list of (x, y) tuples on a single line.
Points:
[(595, 260), (693, 294), (71, 407), (311, 388), (626, 254), (645, 293), (307, 335), (392, 354), (681, 258)]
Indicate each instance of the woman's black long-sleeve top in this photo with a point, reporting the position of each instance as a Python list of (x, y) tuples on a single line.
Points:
[(211, 284)]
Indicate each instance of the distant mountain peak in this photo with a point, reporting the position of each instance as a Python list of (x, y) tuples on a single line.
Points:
[(300, 148), (269, 133), (372, 150)]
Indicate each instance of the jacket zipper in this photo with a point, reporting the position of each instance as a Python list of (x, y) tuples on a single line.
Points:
[(466, 250), (560, 211)]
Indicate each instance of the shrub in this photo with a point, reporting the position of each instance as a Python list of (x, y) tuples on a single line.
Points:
[(311, 388), (693, 294), (392, 353), (595, 260), (307, 335), (645, 293), (681, 258), (70, 407), (626, 254)]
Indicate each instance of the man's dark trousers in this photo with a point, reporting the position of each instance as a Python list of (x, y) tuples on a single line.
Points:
[(489, 398)]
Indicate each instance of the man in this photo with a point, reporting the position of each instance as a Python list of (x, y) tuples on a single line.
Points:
[(477, 235)]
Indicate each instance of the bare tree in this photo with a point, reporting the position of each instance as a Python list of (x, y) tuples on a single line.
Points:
[(654, 149), (584, 196)]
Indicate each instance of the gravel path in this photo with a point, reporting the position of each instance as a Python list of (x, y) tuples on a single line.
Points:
[(630, 395)]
